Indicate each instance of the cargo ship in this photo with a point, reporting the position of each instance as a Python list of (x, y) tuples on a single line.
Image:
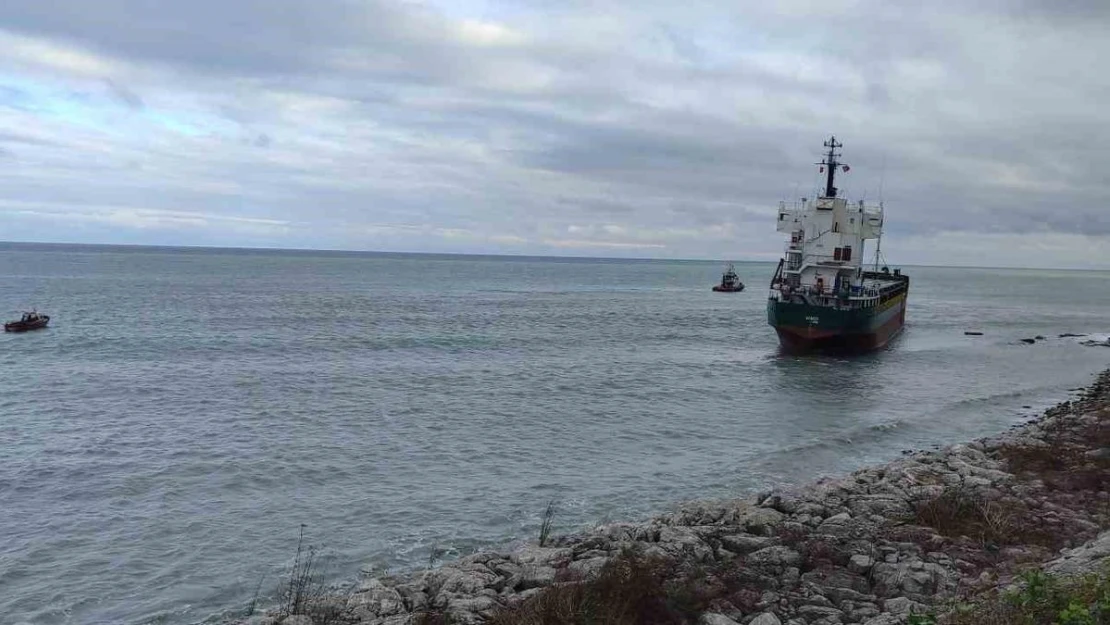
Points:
[(823, 298)]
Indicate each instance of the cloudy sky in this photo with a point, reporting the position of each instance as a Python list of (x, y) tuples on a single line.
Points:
[(648, 129)]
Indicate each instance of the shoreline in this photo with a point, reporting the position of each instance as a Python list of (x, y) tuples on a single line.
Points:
[(910, 535)]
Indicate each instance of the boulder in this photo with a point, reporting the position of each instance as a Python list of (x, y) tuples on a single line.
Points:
[(588, 567), (814, 612), (777, 555), (766, 618), (716, 619), (754, 519), (903, 605), (1084, 559), (550, 556), (746, 543), (1102, 453), (860, 563), (453, 581), (535, 577)]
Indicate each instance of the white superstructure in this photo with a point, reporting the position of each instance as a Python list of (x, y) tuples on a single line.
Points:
[(824, 254)]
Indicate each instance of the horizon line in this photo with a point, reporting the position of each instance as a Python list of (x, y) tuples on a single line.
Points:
[(492, 254)]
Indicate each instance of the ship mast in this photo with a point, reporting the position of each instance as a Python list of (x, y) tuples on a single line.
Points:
[(829, 164), (879, 242)]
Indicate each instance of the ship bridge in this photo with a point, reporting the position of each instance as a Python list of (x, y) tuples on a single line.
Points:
[(825, 250)]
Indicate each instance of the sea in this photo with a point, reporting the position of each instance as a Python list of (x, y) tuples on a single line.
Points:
[(189, 412)]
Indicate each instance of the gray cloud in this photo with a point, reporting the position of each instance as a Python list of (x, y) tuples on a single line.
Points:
[(540, 127), (244, 36), (123, 94)]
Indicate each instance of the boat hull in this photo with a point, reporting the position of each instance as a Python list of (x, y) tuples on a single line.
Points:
[(805, 327), (728, 289), (25, 326)]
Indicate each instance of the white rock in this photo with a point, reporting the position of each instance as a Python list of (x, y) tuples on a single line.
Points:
[(588, 567), (754, 519), (536, 577), (680, 535), (903, 605), (745, 543), (766, 618), (860, 563), (778, 555), (541, 555), (1098, 454), (1083, 559), (814, 612), (716, 619), (477, 604), (450, 580)]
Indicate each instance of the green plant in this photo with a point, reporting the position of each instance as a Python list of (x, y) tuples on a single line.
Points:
[(546, 524), (1037, 594), (1076, 614)]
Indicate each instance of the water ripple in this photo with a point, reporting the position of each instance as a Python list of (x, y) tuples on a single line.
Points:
[(156, 469)]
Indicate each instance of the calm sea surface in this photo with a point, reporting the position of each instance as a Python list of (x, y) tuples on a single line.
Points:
[(187, 410)]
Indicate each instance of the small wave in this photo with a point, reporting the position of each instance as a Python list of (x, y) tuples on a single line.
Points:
[(859, 435)]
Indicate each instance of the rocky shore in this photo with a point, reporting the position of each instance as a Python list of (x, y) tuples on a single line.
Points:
[(878, 547)]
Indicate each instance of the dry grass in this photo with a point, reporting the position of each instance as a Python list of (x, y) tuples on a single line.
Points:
[(817, 550), (432, 618), (305, 592), (1061, 461), (632, 589), (960, 511)]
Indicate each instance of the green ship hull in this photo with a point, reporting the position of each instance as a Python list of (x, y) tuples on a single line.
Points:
[(804, 327)]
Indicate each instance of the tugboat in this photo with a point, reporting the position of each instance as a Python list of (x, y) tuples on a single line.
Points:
[(30, 321), (730, 282), (822, 298)]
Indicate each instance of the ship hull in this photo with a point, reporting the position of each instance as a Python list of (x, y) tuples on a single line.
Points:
[(810, 328)]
